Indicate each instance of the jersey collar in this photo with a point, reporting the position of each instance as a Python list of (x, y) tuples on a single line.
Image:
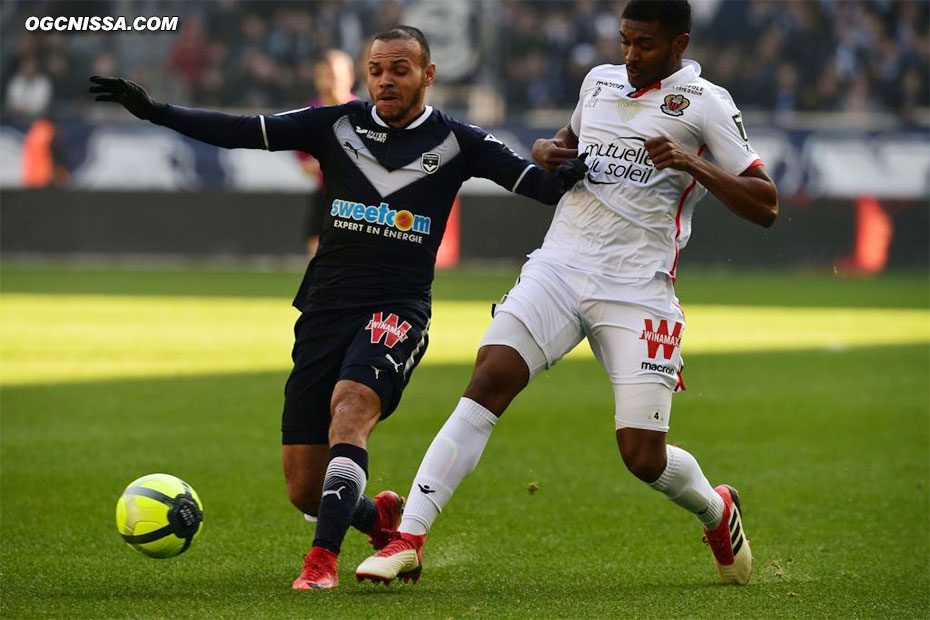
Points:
[(689, 70), (427, 111)]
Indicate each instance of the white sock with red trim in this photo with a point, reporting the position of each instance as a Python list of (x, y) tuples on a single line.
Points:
[(684, 483)]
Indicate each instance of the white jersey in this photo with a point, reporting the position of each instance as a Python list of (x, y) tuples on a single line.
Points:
[(628, 219)]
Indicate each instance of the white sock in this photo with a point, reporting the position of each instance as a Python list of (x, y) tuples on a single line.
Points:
[(453, 454), (684, 483)]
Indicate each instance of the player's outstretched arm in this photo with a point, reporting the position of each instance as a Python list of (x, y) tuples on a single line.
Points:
[(546, 187), (224, 130), (751, 195), (489, 158)]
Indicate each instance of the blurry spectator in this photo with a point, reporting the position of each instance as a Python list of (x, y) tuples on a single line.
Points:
[(29, 92), (828, 95), (292, 36), (191, 53), (257, 84), (758, 82), (253, 31), (580, 61), (361, 68), (304, 80), (105, 64), (212, 89), (388, 13), (333, 78), (64, 86), (222, 18), (786, 99), (913, 94), (857, 100), (63, 69), (42, 161), (777, 55)]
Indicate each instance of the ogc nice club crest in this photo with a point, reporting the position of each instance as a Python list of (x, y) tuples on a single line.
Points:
[(675, 105)]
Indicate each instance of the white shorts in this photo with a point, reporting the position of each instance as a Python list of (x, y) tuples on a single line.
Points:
[(634, 328)]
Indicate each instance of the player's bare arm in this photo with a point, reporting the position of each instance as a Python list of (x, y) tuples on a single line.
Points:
[(751, 195), (553, 152)]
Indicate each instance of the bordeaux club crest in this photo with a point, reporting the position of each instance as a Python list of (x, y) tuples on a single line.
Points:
[(430, 162), (675, 105)]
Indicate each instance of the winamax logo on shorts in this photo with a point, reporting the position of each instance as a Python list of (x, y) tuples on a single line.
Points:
[(615, 163), (381, 220), (388, 329), (659, 336)]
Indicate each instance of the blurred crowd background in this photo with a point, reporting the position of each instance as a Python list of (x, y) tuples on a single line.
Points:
[(834, 94), (499, 60)]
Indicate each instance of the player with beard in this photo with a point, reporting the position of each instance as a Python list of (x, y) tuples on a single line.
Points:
[(392, 170), (606, 271)]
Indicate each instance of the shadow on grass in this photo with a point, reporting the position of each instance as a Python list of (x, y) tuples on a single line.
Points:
[(904, 289)]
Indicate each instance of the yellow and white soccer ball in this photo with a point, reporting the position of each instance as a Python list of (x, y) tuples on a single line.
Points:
[(159, 515)]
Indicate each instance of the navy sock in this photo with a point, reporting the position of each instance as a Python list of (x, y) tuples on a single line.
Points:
[(365, 515), (343, 485)]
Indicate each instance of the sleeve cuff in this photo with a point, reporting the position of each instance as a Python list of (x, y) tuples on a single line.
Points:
[(157, 114)]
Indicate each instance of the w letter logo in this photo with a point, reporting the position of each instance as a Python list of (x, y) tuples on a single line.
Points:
[(660, 336), (388, 329)]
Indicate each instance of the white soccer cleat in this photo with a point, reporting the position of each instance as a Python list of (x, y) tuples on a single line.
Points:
[(401, 559), (728, 540)]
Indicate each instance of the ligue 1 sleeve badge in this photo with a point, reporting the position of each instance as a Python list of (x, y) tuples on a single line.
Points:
[(675, 105)]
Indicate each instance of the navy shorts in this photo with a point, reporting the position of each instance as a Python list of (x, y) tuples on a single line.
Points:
[(376, 346)]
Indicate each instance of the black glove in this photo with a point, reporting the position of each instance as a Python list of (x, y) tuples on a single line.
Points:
[(132, 96), (570, 172)]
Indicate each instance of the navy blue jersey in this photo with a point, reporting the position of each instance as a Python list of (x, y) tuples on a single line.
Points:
[(389, 190)]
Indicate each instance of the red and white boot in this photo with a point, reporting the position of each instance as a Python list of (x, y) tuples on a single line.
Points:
[(390, 508), (728, 540), (401, 559), (319, 571)]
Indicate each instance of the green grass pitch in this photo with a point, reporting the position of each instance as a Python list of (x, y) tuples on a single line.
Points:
[(829, 447)]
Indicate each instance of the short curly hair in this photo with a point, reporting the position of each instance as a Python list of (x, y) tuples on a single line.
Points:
[(675, 15)]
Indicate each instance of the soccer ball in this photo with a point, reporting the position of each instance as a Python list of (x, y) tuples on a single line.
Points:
[(159, 515)]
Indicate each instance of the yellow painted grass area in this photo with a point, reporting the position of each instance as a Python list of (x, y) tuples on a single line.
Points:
[(51, 339)]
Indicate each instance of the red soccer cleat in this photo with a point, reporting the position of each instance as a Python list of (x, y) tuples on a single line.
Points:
[(728, 540), (390, 507), (319, 572), (402, 558)]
